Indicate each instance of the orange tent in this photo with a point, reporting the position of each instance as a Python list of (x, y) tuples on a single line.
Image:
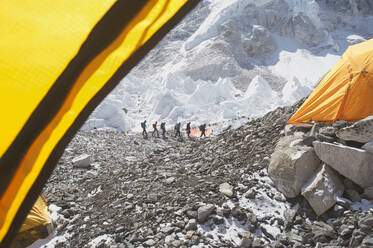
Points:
[(346, 92), (196, 133)]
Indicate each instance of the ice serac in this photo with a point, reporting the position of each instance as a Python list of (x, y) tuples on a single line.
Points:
[(259, 95), (261, 41), (353, 163), (109, 114), (361, 131), (294, 90), (166, 105), (323, 189), (292, 165), (302, 29)]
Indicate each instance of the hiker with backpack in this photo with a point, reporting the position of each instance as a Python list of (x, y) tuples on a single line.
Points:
[(155, 130), (143, 126), (177, 130), (188, 129), (163, 128), (202, 128)]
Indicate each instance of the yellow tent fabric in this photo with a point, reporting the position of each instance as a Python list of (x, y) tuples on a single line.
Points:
[(37, 216), (58, 60), (345, 93)]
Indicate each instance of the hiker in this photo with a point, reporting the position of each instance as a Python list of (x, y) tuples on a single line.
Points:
[(228, 128), (155, 130), (188, 129), (202, 128), (163, 128), (143, 125), (177, 130)]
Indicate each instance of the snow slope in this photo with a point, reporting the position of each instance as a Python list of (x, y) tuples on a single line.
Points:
[(235, 57)]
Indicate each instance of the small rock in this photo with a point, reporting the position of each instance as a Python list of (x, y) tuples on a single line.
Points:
[(245, 239), (328, 131), (191, 225), (150, 243), (170, 180), (82, 161), (176, 243), (238, 213), (257, 243), (167, 229), (218, 220), (279, 197), (180, 224), (192, 214), (189, 234), (204, 212), (250, 194), (226, 189)]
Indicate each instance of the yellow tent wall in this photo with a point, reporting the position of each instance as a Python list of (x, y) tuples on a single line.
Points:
[(58, 60), (346, 92)]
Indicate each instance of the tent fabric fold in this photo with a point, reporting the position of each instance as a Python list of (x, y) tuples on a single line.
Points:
[(345, 93), (57, 86)]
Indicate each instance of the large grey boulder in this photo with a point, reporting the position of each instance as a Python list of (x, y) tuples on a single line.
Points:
[(292, 165), (361, 131), (323, 189), (353, 163)]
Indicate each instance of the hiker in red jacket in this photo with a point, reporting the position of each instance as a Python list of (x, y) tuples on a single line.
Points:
[(155, 130)]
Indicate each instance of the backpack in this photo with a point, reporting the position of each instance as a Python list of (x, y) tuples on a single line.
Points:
[(155, 126), (143, 125), (201, 128)]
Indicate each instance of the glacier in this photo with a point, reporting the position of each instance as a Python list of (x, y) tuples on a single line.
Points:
[(232, 58)]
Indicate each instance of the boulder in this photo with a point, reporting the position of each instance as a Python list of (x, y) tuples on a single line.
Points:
[(82, 161), (353, 163), (361, 131), (226, 189), (292, 165), (191, 225), (323, 189)]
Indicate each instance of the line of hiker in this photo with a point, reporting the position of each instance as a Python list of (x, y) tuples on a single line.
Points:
[(177, 129)]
